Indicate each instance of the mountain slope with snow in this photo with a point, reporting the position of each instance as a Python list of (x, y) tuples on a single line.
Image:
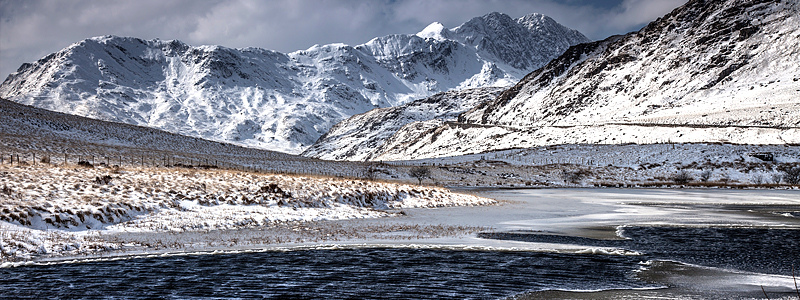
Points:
[(710, 71), (266, 99), (25, 129), (360, 137)]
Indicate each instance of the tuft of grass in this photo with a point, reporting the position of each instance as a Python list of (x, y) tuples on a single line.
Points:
[(105, 179), (796, 289)]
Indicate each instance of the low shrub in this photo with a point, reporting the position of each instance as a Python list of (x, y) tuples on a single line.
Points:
[(705, 175), (105, 179), (792, 176), (682, 177), (757, 179), (573, 176), (777, 178)]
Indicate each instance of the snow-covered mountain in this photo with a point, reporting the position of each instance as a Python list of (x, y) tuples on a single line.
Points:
[(710, 71), (362, 136), (266, 99)]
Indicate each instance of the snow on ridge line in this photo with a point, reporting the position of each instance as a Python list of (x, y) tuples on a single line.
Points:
[(270, 100), (727, 71)]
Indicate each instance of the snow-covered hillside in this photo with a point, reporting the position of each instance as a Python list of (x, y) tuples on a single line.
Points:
[(25, 129), (266, 99), (361, 137), (37, 136), (710, 71)]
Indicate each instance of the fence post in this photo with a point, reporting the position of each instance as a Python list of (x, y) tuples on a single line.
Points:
[(65, 159)]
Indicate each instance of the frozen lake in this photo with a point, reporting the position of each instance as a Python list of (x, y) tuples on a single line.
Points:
[(541, 244)]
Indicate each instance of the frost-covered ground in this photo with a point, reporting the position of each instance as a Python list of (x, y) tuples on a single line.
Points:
[(52, 210), (618, 165)]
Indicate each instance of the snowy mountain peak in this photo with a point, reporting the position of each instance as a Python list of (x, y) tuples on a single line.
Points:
[(262, 98), (434, 31), (529, 41), (486, 25), (710, 71), (536, 21)]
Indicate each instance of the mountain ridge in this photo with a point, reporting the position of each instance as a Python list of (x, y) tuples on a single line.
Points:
[(710, 71), (267, 99)]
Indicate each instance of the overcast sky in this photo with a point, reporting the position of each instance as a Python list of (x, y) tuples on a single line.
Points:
[(31, 29)]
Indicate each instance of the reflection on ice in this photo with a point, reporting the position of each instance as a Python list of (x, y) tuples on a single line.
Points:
[(704, 279), (597, 212)]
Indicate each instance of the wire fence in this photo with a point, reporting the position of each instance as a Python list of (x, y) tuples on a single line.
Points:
[(266, 164)]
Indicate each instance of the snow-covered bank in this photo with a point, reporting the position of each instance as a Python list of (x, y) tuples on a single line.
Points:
[(628, 165), (47, 210)]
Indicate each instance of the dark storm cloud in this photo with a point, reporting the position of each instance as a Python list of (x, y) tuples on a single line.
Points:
[(32, 29)]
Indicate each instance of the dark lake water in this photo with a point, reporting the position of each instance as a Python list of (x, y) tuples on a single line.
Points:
[(405, 273), (323, 274)]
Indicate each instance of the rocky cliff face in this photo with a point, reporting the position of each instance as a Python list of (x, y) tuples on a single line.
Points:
[(710, 71), (266, 99)]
